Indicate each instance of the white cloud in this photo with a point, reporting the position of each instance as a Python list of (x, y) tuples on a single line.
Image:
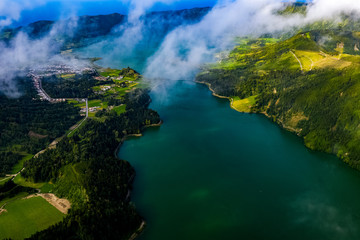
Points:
[(227, 20), (185, 48), (10, 10)]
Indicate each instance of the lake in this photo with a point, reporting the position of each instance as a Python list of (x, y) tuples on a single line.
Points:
[(210, 172)]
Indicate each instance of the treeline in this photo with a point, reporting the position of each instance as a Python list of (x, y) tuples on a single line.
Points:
[(106, 212), (7, 160), (29, 125), (10, 190)]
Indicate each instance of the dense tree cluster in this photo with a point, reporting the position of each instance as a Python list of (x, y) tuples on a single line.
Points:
[(77, 86), (27, 124), (10, 189), (7, 160), (106, 212)]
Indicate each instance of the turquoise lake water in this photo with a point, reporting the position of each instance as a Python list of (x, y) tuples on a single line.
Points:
[(210, 172)]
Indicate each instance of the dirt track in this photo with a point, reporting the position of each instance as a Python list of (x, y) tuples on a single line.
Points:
[(61, 204), (2, 210)]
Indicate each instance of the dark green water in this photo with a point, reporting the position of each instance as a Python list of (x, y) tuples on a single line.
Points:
[(210, 172)]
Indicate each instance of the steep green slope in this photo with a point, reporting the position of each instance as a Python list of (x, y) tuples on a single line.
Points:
[(309, 84)]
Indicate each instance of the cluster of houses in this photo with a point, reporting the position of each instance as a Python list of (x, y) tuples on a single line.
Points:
[(105, 88), (49, 70)]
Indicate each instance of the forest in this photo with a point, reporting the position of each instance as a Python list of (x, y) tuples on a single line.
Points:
[(77, 86), (100, 193), (27, 124)]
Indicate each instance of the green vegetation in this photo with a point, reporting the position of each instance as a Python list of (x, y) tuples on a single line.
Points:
[(243, 105), (19, 180), (126, 73), (290, 9), (108, 72), (105, 89), (20, 164), (82, 167), (69, 85), (23, 217), (27, 125), (14, 197), (120, 109), (308, 83), (84, 170)]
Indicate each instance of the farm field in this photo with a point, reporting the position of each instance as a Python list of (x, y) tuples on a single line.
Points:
[(23, 217)]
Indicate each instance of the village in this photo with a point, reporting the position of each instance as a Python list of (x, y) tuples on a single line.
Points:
[(112, 83), (49, 70)]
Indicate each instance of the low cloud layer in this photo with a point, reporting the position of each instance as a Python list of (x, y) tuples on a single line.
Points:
[(10, 10), (23, 53), (185, 49), (182, 51)]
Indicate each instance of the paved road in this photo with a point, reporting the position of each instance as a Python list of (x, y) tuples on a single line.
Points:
[(86, 116)]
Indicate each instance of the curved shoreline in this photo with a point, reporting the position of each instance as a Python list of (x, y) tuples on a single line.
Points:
[(220, 96), (278, 121), (117, 150)]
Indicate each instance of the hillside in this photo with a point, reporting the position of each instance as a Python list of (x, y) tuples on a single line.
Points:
[(82, 31), (309, 84)]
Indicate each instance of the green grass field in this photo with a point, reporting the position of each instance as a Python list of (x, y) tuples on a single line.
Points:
[(24, 217), (11, 199), (94, 103), (19, 180), (20, 164), (120, 109), (243, 105), (110, 72)]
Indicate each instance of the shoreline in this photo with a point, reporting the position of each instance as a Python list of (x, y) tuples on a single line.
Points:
[(278, 121), (135, 135), (117, 150), (138, 231), (220, 96)]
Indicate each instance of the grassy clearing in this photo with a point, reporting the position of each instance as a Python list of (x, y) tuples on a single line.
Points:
[(18, 196), (17, 168), (19, 180), (94, 103), (312, 59), (285, 61), (70, 183), (73, 102), (110, 72), (24, 217), (351, 58), (120, 109), (243, 105), (331, 62), (67, 76)]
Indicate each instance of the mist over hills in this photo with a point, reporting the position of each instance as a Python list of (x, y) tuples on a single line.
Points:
[(82, 31)]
